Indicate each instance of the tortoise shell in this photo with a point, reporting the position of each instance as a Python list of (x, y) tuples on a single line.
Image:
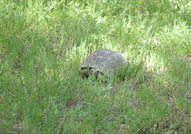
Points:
[(104, 61)]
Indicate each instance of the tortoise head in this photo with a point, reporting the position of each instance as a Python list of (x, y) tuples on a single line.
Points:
[(88, 71)]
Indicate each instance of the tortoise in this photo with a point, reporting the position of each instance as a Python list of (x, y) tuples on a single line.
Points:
[(103, 61)]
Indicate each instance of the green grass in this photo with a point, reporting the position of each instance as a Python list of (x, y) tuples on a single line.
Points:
[(43, 43)]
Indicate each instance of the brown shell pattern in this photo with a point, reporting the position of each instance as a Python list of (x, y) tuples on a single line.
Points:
[(104, 60)]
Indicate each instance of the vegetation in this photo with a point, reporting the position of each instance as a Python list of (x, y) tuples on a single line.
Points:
[(42, 44)]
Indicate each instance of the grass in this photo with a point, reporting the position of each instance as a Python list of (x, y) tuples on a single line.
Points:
[(42, 44)]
